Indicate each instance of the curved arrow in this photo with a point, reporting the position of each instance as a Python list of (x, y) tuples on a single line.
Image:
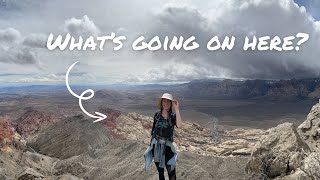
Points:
[(99, 116)]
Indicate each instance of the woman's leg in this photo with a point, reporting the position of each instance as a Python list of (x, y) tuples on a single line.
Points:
[(160, 170), (171, 173), (169, 155)]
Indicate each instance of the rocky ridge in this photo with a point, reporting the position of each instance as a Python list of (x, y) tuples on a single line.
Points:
[(191, 137), (76, 148), (33, 121)]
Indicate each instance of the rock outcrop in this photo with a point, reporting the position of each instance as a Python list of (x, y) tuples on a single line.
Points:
[(309, 130), (288, 153), (9, 138), (33, 121), (278, 152)]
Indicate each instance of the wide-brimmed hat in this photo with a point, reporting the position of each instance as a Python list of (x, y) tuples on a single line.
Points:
[(164, 96)]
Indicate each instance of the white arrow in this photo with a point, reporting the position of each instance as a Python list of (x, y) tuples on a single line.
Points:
[(99, 116)]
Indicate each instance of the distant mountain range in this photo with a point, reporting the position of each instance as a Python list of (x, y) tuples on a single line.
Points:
[(252, 89), (294, 89)]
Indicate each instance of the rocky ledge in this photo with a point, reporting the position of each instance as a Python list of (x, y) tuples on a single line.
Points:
[(286, 152)]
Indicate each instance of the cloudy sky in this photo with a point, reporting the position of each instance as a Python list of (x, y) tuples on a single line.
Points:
[(26, 24)]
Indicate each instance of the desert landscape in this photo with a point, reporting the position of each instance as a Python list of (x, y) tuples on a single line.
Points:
[(231, 135), (80, 80)]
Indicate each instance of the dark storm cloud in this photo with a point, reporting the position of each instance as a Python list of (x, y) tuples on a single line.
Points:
[(242, 18), (149, 18)]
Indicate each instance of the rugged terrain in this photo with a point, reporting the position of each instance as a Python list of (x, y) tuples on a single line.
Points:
[(198, 104), (260, 135), (76, 148)]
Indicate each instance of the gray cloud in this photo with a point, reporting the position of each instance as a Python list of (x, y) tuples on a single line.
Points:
[(21, 56), (35, 41), (176, 71), (9, 35), (86, 77), (13, 74), (81, 27), (149, 18), (14, 48), (241, 18)]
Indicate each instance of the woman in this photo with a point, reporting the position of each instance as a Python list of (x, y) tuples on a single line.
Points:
[(161, 148)]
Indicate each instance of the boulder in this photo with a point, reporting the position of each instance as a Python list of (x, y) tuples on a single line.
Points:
[(279, 152), (309, 130)]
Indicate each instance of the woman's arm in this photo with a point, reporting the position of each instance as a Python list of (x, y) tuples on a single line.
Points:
[(178, 116), (154, 122)]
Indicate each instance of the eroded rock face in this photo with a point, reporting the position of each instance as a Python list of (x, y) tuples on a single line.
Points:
[(279, 152), (33, 121), (9, 138), (6, 133), (283, 138), (286, 153), (309, 130)]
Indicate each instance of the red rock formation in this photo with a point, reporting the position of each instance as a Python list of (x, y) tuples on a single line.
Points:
[(9, 138), (32, 121), (110, 122), (6, 132)]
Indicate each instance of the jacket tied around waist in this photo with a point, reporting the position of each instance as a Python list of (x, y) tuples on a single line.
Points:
[(159, 155)]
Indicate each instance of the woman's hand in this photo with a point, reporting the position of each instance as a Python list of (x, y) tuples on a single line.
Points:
[(175, 104)]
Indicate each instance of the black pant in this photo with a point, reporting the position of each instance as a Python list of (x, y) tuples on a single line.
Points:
[(171, 173)]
